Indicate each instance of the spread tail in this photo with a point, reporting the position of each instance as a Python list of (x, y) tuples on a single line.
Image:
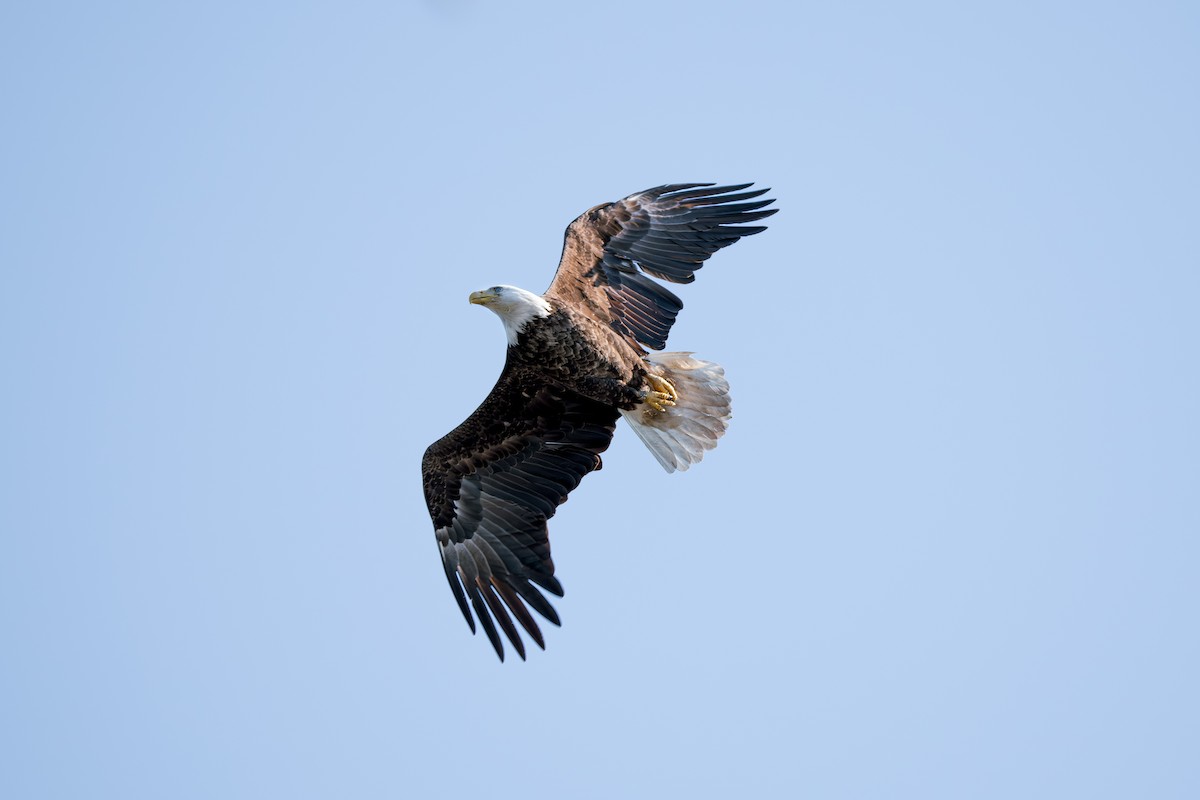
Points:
[(679, 435)]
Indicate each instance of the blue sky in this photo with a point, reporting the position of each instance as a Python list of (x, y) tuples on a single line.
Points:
[(947, 549)]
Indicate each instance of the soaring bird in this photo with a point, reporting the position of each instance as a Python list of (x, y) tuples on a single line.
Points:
[(578, 360)]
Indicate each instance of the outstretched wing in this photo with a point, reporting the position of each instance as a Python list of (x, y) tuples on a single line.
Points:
[(492, 483), (668, 233)]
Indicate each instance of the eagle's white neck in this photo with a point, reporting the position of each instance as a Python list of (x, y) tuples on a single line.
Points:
[(516, 307)]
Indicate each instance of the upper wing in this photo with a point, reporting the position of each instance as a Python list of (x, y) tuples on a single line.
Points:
[(492, 483), (668, 232)]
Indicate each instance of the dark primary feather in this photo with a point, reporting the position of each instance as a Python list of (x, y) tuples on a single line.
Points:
[(667, 232), (492, 483)]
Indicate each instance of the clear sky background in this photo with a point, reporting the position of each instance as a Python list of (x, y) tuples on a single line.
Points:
[(947, 549)]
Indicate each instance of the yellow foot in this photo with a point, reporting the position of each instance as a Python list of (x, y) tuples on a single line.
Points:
[(662, 394)]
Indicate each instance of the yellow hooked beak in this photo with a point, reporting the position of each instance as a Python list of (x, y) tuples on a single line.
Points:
[(482, 298)]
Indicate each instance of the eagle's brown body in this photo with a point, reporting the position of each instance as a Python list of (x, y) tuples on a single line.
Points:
[(576, 352)]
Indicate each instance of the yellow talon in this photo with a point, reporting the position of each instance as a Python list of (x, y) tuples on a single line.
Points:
[(661, 396), (662, 386), (658, 401)]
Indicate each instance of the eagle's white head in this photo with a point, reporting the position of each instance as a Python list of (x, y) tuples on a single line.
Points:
[(514, 306)]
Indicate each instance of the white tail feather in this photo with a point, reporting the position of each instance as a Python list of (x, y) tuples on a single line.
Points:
[(679, 436)]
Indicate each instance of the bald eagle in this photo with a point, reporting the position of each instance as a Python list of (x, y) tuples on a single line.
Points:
[(578, 360)]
